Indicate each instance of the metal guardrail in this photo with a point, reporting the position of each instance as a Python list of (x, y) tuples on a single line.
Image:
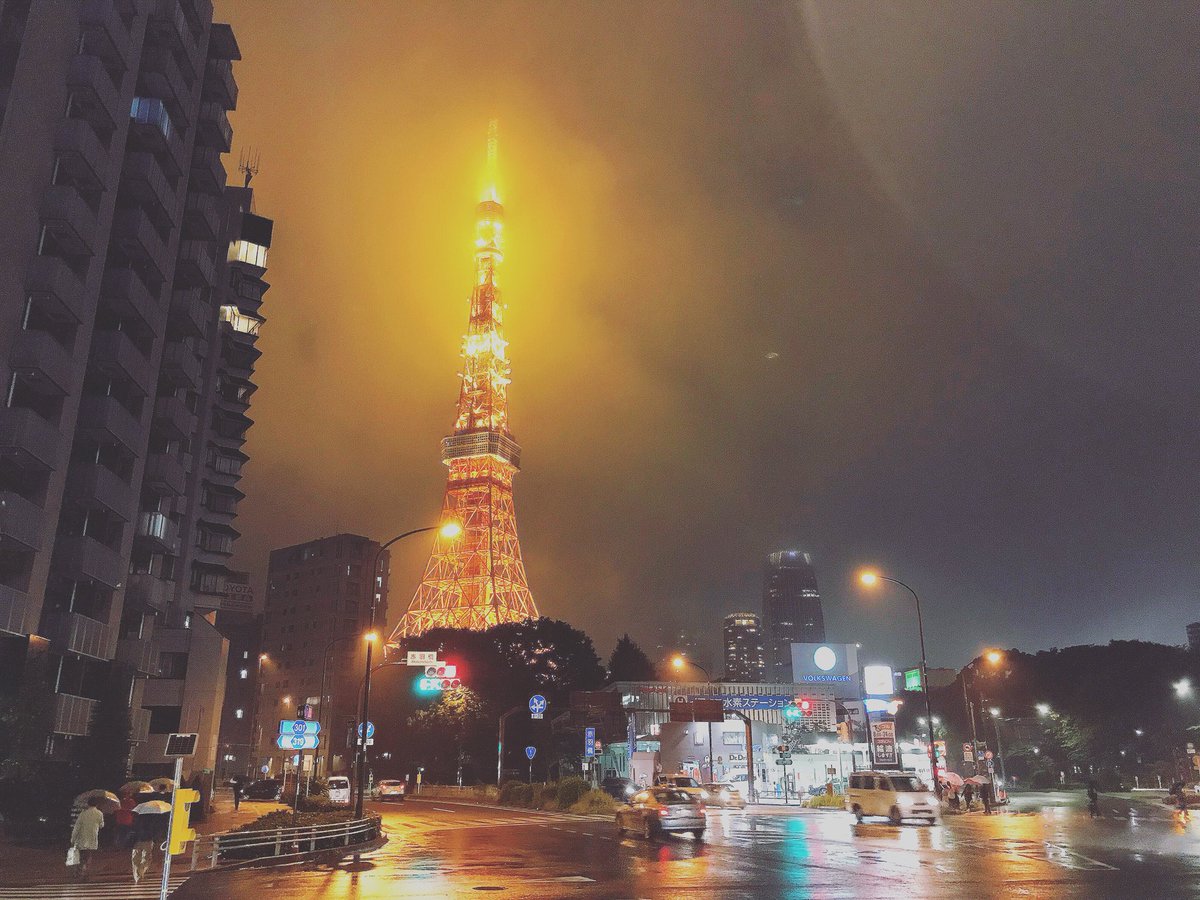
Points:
[(214, 850)]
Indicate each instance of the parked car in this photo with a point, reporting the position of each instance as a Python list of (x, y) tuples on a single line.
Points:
[(724, 795), (339, 790), (620, 789), (896, 796), (263, 789), (662, 810), (389, 789)]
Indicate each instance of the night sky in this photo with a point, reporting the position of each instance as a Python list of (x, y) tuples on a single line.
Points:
[(896, 283)]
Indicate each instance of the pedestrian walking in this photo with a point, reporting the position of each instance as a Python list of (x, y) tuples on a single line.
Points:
[(123, 823), (985, 794), (237, 793), (149, 833), (968, 794), (85, 836), (1093, 793)]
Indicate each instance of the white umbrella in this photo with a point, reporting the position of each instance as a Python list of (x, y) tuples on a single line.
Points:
[(163, 785), (134, 787), (108, 801), (977, 779), (152, 807), (951, 778)]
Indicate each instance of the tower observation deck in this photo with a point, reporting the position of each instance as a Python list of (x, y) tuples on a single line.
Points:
[(477, 579)]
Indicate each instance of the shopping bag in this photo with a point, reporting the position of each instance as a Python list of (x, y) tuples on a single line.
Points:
[(73, 856)]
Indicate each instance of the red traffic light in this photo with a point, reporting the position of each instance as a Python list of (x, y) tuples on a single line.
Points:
[(806, 707)]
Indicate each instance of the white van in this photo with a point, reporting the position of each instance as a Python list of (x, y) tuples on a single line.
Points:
[(895, 796), (339, 790)]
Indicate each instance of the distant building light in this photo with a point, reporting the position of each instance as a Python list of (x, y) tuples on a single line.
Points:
[(240, 713)]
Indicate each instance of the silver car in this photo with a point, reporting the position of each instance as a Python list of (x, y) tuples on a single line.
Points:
[(662, 810)]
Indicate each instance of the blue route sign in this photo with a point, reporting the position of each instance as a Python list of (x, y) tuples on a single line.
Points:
[(530, 753), (370, 730), (298, 726), (537, 706), (589, 742), (297, 742)]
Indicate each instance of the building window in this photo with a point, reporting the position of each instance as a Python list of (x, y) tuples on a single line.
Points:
[(244, 674), (247, 252), (239, 713), (172, 665), (164, 719), (239, 321), (151, 111)]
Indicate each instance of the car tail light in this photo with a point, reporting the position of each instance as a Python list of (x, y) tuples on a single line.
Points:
[(703, 809), (664, 810)]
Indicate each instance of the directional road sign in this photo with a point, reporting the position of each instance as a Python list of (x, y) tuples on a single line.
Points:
[(297, 742), (370, 730), (298, 726), (530, 753), (421, 657), (589, 742), (537, 706)]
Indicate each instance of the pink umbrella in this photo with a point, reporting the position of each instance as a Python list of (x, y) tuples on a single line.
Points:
[(951, 778)]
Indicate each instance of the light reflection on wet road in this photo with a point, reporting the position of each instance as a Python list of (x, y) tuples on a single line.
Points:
[(440, 849)]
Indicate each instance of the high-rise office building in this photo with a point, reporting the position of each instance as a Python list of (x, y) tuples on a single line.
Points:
[(241, 625), (1193, 636), (791, 610), (745, 656), (318, 608), (130, 280)]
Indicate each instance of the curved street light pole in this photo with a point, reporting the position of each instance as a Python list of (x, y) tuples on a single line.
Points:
[(321, 702), (679, 662), (364, 712), (933, 768)]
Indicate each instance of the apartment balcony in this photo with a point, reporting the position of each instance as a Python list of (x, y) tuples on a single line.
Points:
[(219, 84), (28, 440), (20, 523), (142, 178), (114, 354), (72, 714), (165, 474), (93, 95), (81, 156), (201, 217), (85, 636), (57, 289), (134, 232), (149, 590), (69, 220), (161, 77), (195, 266), (14, 611), (47, 365), (170, 25), (80, 556), (214, 129), (191, 313), (163, 692), (208, 172), (110, 422), (140, 720), (180, 365), (125, 292), (139, 653), (105, 32), (158, 530), (172, 415), (98, 487)]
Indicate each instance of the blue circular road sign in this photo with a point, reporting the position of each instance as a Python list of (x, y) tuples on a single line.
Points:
[(530, 752), (537, 704)]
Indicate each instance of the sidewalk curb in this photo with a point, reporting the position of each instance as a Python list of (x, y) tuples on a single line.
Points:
[(543, 812)]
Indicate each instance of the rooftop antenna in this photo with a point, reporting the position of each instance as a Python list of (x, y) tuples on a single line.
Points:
[(248, 162), (493, 139)]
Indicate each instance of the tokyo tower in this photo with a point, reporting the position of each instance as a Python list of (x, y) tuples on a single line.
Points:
[(477, 579)]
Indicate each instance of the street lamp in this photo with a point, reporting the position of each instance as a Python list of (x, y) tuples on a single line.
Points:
[(1183, 688), (994, 658), (1043, 709), (448, 530), (995, 714), (678, 662), (369, 637), (870, 579)]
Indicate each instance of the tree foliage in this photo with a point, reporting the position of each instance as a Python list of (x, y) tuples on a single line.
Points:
[(629, 662)]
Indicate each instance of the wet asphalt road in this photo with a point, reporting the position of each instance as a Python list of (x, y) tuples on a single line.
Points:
[(444, 849)]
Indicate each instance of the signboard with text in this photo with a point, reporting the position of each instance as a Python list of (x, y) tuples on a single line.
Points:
[(589, 742), (912, 679), (834, 665), (883, 740)]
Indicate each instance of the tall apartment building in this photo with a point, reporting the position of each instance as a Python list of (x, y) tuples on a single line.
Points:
[(745, 657), (318, 608), (241, 625), (791, 609), (130, 281)]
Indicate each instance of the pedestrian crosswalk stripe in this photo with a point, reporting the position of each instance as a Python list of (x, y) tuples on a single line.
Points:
[(91, 890)]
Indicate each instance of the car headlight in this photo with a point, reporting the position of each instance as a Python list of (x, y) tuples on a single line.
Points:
[(629, 790)]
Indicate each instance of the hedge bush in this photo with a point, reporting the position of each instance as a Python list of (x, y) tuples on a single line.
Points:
[(594, 802), (570, 790), (825, 801)]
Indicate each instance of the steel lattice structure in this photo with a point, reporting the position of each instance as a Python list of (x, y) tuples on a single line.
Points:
[(477, 580)]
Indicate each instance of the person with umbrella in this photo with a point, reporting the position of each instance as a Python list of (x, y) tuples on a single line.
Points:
[(149, 833), (85, 836)]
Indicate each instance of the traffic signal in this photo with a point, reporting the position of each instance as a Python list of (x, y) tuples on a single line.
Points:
[(806, 706), (843, 732), (791, 713), (181, 833)]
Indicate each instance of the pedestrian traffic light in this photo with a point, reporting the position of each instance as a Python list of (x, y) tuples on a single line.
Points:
[(843, 732), (181, 833)]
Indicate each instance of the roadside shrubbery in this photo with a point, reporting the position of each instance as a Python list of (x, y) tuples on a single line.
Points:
[(572, 794), (825, 801)]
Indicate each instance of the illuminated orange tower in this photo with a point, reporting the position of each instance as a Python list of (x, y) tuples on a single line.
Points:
[(477, 579)]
